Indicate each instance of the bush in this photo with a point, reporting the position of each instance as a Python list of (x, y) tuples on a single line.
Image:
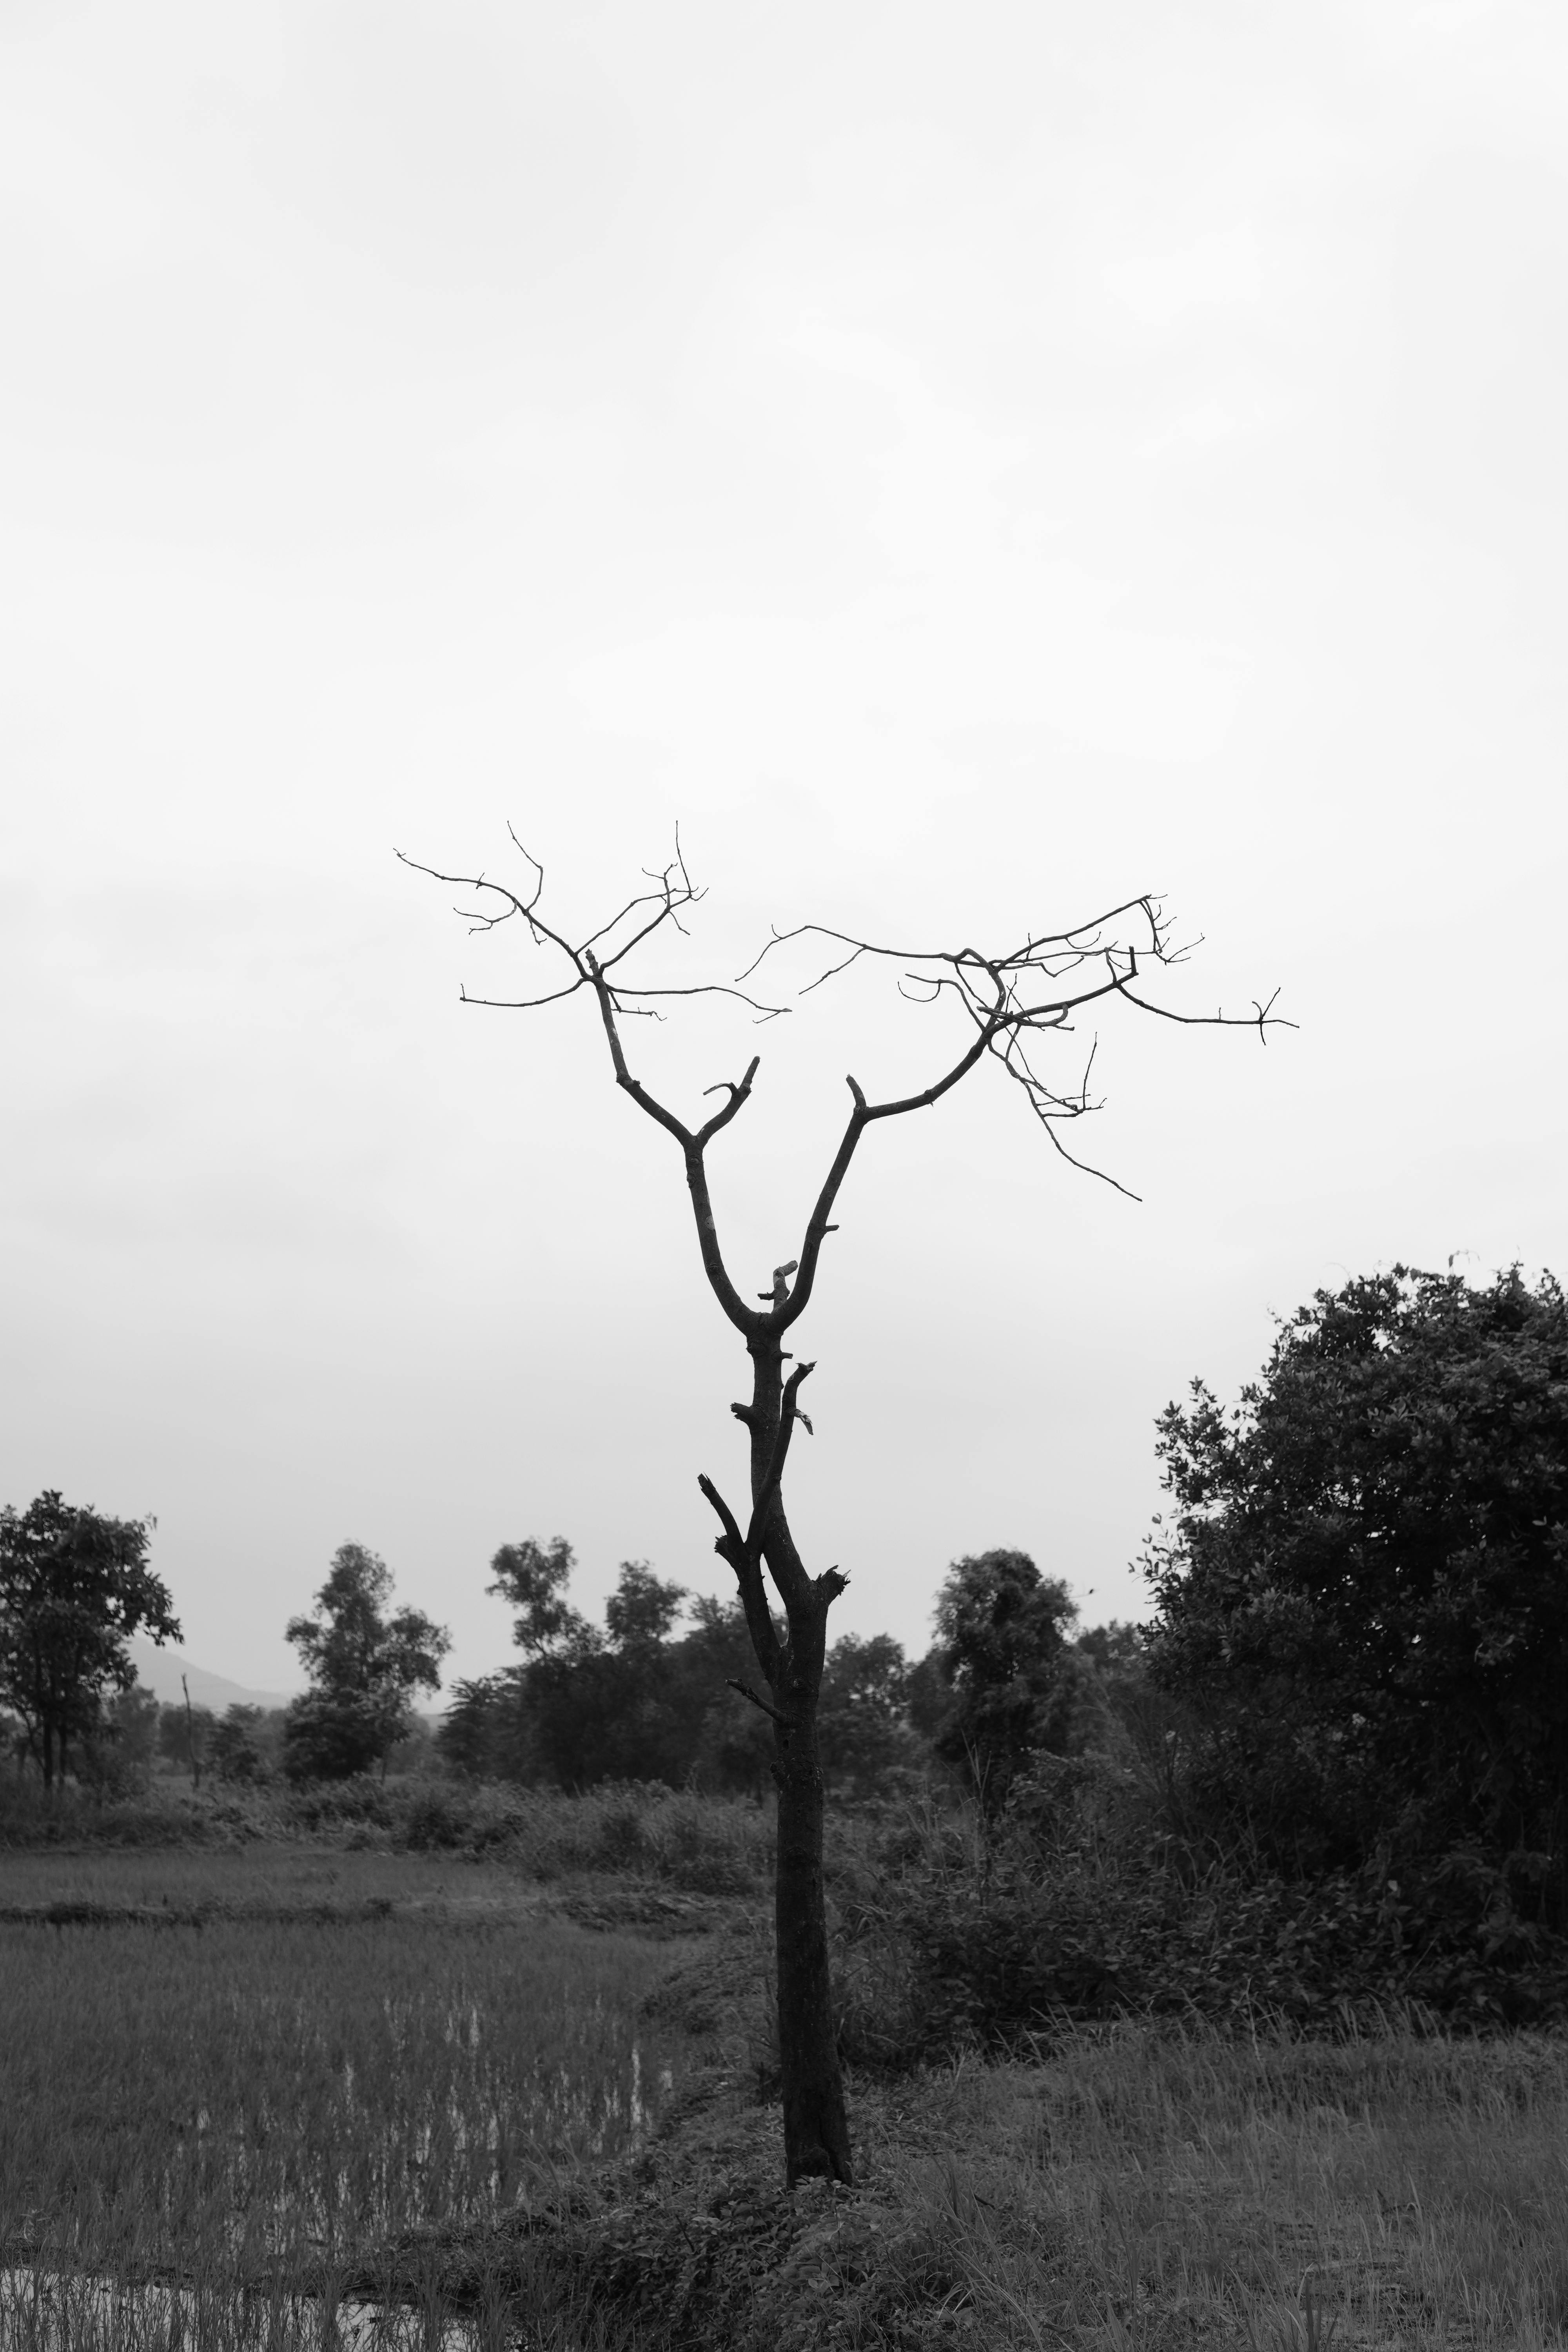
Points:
[(950, 1939), (704, 1845), (31, 1815)]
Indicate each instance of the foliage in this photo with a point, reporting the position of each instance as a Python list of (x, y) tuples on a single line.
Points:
[(118, 1756), (533, 1577), (363, 1666), (700, 1845), (240, 1742), (74, 1587), (641, 1702), (862, 1731), (642, 1609), (1364, 1600), (180, 1727), (997, 1937), (1000, 1658)]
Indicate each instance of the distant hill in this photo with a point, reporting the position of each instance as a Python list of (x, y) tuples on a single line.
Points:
[(159, 1671)]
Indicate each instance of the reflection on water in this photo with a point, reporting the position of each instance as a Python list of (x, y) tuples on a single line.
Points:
[(459, 2159), (42, 2311), (52, 2310)]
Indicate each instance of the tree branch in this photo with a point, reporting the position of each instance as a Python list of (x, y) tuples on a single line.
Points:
[(747, 1691), (733, 1547), (773, 1477), (1000, 995)]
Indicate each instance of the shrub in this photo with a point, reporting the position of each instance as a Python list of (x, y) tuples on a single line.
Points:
[(948, 1937)]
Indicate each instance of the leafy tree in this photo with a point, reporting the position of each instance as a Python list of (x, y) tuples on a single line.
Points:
[(117, 1755), (238, 1745), (1007, 1005), (74, 1587), (1001, 1653), (1113, 1649), (642, 1609), (636, 1701), (490, 1729), (862, 1726), (601, 1706), (532, 1577), (363, 1666), (732, 1748), (1364, 1598), (185, 1736), (414, 1754), (472, 1737)]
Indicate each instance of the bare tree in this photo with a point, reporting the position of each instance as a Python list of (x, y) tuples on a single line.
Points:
[(1006, 1002)]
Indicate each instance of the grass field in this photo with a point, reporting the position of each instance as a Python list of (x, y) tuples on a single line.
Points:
[(416, 2082)]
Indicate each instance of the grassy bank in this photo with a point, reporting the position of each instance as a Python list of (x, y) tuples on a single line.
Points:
[(1136, 2189)]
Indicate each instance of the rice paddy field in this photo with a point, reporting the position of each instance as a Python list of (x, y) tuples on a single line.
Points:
[(252, 2069), (290, 2094)]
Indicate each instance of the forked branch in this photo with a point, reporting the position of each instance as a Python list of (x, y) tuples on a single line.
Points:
[(1028, 992)]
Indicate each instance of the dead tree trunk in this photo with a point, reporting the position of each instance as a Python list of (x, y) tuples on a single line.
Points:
[(816, 2125), (1006, 1000), (190, 1737)]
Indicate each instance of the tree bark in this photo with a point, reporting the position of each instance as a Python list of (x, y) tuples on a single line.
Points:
[(815, 2119)]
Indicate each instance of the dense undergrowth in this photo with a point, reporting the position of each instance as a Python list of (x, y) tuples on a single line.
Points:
[(949, 1933)]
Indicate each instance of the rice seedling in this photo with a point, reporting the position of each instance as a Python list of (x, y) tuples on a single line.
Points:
[(258, 2104)]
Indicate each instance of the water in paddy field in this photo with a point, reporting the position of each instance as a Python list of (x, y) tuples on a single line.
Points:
[(44, 2311)]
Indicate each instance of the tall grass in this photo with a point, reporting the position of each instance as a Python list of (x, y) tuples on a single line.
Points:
[(1141, 2188)]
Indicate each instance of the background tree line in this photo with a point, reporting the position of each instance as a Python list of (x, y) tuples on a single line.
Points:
[(1356, 1668)]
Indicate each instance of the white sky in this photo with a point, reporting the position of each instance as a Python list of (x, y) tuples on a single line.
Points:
[(965, 464)]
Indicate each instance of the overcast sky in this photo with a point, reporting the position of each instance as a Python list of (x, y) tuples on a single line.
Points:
[(965, 464)]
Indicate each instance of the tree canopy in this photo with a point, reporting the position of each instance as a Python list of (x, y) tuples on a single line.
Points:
[(1000, 1658), (645, 1700), (74, 1587), (1363, 1597), (363, 1666)]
